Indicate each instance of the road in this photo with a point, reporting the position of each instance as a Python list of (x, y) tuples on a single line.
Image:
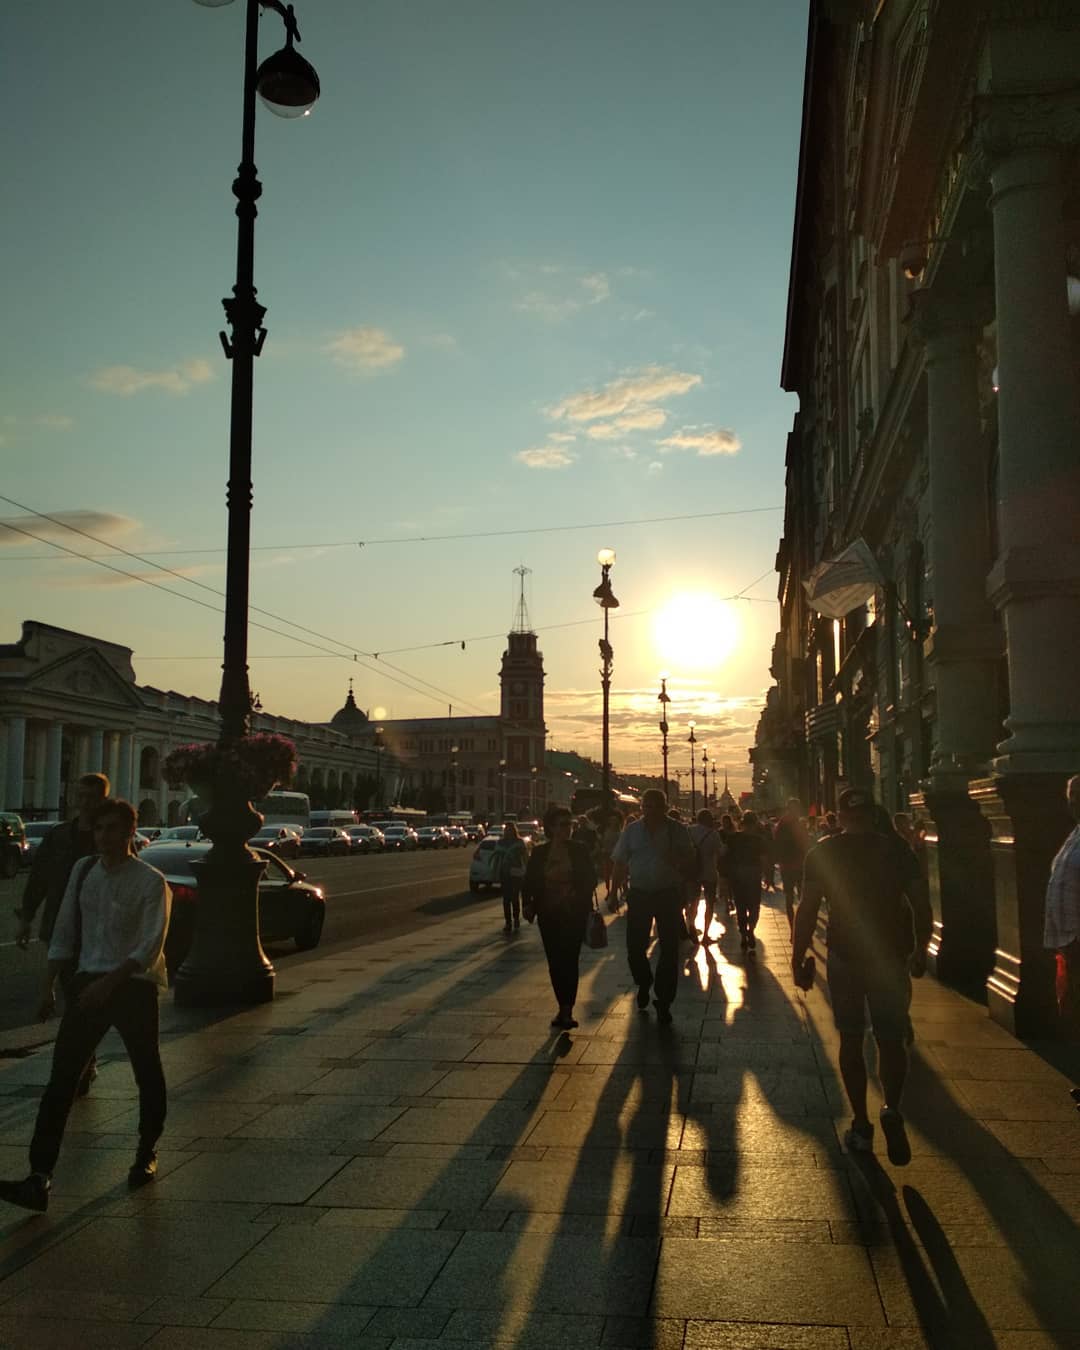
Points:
[(381, 895)]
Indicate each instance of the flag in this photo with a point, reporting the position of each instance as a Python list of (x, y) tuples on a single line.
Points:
[(838, 585)]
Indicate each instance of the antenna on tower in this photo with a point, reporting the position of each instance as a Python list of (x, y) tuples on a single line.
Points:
[(522, 623)]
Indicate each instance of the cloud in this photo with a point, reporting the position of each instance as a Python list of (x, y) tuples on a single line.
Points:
[(445, 342), (100, 578), (630, 394), (562, 437), (546, 457), (99, 523), (706, 441), (128, 380), (654, 468), (555, 292), (365, 350), (55, 421), (644, 419)]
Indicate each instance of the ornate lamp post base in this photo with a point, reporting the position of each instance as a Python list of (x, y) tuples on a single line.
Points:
[(226, 963)]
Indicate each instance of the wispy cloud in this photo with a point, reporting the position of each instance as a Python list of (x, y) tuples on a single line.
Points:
[(643, 419), (630, 395), (365, 350), (706, 441), (99, 523), (445, 342), (655, 468), (102, 578), (546, 457), (55, 421), (554, 292), (129, 380)]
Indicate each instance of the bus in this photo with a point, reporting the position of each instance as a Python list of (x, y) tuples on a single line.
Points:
[(276, 808), (404, 815)]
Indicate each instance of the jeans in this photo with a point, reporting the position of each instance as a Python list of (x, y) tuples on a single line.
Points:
[(562, 934), (133, 1010), (666, 908), (511, 898), (746, 891)]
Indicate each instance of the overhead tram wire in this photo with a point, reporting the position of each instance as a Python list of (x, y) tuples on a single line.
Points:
[(401, 539), (442, 694)]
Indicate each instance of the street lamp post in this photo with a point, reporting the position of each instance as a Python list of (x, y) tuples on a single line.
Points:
[(605, 598), (502, 788), (453, 779), (664, 699), (693, 788), (715, 798), (226, 962), (705, 776), (378, 765), (532, 791)]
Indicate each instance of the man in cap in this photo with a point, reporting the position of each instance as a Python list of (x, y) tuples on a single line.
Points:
[(879, 925)]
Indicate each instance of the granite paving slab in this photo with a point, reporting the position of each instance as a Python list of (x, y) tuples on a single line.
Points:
[(386, 1079), (250, 1175), (403, 1183), (616, 1185), (322, 1117), (728, 1187)]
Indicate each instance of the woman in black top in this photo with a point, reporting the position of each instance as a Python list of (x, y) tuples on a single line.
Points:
[(746, 853), (558, 890)]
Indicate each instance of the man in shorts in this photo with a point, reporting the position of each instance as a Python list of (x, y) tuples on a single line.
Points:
[(879, 925)]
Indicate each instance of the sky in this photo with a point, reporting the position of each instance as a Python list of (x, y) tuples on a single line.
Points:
[(525, 269)]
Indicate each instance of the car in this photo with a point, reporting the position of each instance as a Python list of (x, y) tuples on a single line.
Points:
[(365, 838), (482, 870), (432, 836), (458, 836), (151, 832), (180, 833), (290, 907), (325, 841), (400, 837), (282, 840), (36, 830), (475, 833), (14, 848)]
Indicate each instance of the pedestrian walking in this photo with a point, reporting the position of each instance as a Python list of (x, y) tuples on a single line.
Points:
[(111, 927), (560, 882), (511, 858), (746, 850), (1061, 922), (610, 829), (790, 845), (60, 849), (655, 858), (708, 846), (878, 928)]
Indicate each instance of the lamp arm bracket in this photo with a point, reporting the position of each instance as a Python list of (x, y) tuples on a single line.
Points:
[(292, 32)]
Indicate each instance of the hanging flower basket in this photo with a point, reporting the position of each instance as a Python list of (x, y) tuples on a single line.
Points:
[(255, 764)]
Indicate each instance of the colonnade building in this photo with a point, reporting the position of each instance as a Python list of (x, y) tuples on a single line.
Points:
[(933, 339)]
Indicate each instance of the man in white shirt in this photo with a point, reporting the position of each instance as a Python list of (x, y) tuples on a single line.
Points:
[(112, 924), (656, 855)]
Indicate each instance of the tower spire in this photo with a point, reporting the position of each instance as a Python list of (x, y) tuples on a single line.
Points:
[(522, 623)]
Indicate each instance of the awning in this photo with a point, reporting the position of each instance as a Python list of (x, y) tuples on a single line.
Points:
[(838, 585)]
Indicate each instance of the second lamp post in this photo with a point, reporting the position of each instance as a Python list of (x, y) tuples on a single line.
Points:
[(605, 598), (693, 766)]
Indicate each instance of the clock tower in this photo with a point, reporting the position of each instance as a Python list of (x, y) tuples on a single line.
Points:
[(521, 713)]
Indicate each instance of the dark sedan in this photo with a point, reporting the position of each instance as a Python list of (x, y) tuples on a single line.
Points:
[(325, 841), (365, 838), (289, 906), (284, 840), (432, 836)]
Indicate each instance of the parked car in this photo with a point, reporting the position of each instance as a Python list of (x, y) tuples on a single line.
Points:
[(283, 840), (325, 841), (151, 832), (475, 833), (400, 837), (432, 836), (365, 838), (289, 905), (14, 848), (35, 831), (482, 868), (458, 836)]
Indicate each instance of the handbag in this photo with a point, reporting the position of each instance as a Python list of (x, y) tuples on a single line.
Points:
[(596, 932)]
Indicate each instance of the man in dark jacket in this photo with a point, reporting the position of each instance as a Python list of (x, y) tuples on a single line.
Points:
[(59, 851)]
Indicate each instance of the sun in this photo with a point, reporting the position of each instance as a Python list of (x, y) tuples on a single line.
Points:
[(695, 630)]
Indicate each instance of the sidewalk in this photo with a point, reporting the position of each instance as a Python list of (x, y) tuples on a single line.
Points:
[(398, 1152)]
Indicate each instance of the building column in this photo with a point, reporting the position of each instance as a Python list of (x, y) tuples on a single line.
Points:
[(126, 743), (37, 801), (112, 760), (1035, 582), (96, 752), (16, 763), (964, 648), (54, 742)]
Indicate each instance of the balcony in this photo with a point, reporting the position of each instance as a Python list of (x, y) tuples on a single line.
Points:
[(823, 722)]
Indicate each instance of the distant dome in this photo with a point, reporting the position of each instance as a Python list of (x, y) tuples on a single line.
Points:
[(349, 718)]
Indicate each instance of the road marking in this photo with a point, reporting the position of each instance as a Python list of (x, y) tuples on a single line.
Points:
[(398, 886)]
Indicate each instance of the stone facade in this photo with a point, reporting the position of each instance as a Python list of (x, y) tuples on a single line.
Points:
[(933, 339)]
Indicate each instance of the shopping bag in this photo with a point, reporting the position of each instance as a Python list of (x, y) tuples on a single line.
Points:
[(596, 933)]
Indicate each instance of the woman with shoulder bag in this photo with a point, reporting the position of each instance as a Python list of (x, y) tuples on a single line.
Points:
[(511, 859), (559, 885)]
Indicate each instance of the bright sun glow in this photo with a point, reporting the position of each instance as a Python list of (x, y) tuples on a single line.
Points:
[(696, 631)]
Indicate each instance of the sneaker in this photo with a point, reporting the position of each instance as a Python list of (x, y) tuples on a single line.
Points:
[(663, 1012), (30, 1193), (896, 1140), (143, 1169), (643, 997), (858, 1140)]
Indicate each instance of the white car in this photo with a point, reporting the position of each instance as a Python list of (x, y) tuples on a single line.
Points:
[(482, 868)]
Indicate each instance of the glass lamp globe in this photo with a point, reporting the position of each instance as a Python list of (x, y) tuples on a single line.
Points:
[(606, 557), (213, 4), (287, 84)]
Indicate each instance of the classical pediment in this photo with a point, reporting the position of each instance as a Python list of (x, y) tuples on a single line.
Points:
[(83, 674)]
